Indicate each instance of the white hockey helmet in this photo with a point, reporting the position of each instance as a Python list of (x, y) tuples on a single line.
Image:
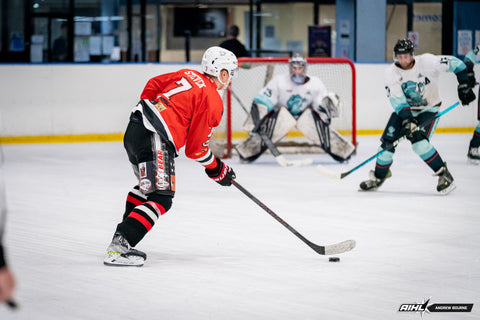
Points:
[(298, 60), (216, 59)]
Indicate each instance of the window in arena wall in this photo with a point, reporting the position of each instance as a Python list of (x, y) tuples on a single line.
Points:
[(396, 27), (15, 27), (285, 26), (206, 30), (427, 25), (1, 33), (96, 31)]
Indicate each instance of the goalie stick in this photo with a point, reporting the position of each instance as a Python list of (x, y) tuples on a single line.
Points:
[(335, 175), (271, 146), (336, 248)]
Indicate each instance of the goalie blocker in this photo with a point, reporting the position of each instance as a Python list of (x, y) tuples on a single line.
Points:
[(314, 123)]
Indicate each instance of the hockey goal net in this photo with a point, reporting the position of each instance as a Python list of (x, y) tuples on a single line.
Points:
[(338, 75)]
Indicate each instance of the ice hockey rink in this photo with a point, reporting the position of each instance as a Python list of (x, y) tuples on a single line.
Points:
[(217, 255)]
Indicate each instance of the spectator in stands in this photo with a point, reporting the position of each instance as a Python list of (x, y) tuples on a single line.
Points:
[(60, 45), (232, 44)]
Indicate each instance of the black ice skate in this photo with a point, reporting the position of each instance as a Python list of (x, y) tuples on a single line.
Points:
[(120, 253), (474, 155), (373, 183), (445, 180)]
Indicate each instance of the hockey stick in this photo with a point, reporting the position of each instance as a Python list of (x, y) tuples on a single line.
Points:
[(271, 146), (337, 248), (334, 175)]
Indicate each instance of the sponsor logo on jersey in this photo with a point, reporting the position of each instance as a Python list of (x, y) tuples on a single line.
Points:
[(160, 106), (414, 92)]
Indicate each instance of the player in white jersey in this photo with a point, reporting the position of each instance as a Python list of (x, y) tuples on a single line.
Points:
[(411, 85), (473, 150), (7, 280), (289, 100)]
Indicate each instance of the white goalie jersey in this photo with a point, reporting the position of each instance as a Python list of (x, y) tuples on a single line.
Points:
[(281, 91)]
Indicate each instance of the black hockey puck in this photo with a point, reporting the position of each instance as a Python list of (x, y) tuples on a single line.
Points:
[(334, 259)]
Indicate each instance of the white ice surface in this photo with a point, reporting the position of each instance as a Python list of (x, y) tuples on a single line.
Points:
[(217, 255)]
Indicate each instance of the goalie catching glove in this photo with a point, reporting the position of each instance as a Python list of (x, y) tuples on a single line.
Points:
[(221, 174)]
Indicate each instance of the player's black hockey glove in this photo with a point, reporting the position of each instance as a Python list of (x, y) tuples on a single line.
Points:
[(465, 93), (221, 174), (409, 126), (470, 75)]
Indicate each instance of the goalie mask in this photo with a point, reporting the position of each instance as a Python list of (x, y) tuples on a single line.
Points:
[(216, 59), (298, 68)]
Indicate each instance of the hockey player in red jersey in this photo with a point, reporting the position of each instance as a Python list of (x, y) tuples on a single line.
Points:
[(178, 109)]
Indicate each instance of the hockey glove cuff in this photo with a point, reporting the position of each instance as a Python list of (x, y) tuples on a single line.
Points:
[(221, 174), (409, 126)]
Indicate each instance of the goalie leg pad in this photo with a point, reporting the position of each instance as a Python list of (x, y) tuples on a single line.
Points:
[(257, 112), (284, 122), (276, 125), (320, 133), (340, 146), (306, 124), (252, 148)]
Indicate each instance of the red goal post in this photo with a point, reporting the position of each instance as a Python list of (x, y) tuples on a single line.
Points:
[(338, 75)]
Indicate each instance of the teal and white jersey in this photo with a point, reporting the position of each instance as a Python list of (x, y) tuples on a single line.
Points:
[(473, 55), (417, 88), (282, 91)]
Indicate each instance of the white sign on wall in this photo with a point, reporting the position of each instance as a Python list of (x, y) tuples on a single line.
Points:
[(477, 38), (415, 38), (464, 43)]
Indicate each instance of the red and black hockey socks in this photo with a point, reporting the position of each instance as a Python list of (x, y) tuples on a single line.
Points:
[(134, 198), (143, 217)]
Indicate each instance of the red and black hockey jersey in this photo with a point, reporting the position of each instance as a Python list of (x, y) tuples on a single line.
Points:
[(183, 107)]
